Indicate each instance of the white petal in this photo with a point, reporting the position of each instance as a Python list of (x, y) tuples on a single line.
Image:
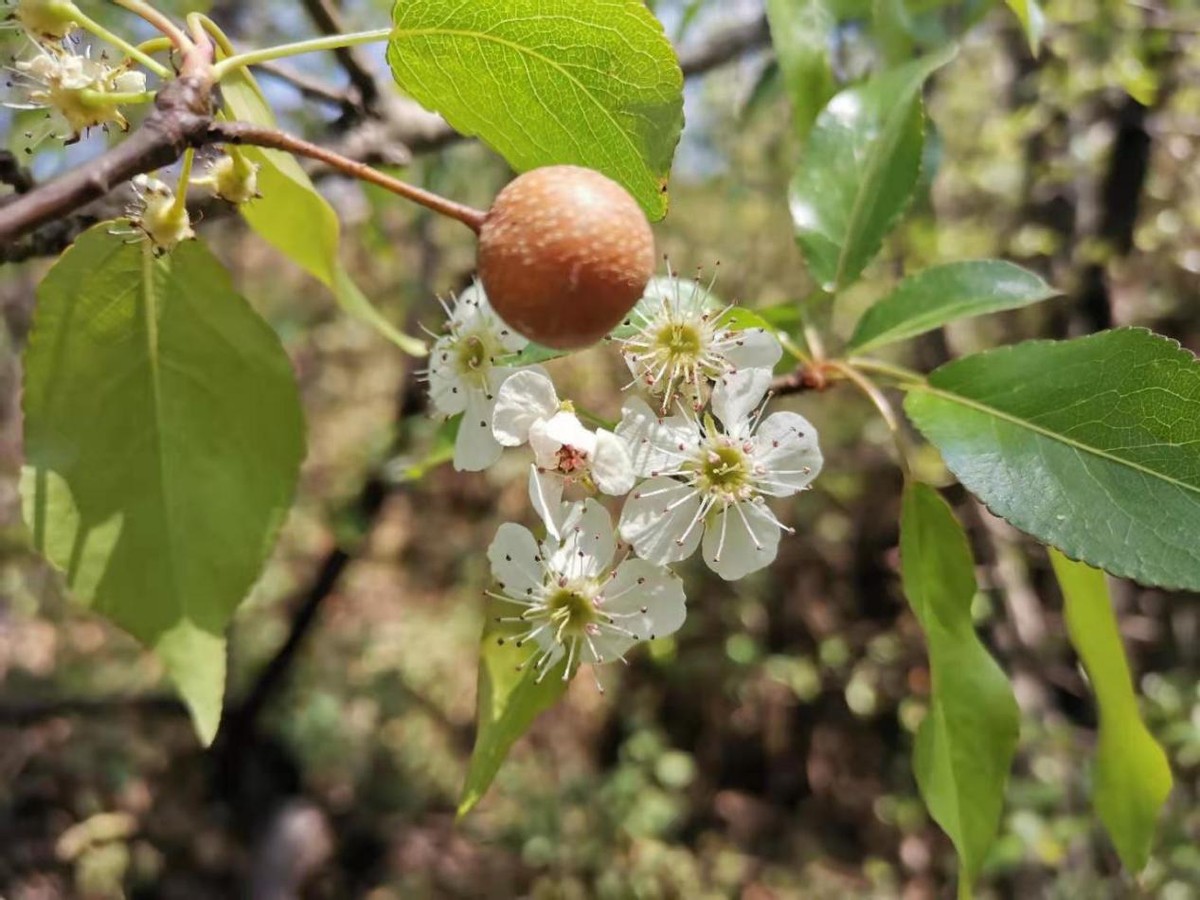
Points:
[(755, 348), (588, 542), (522, 399), (655, 444), (659, 519), (563, 429), (475, 449), (612, 469), (786, 444), (513, 555), (639, 585), (739, 540), (545, 493), (446, 390), (736, 395)]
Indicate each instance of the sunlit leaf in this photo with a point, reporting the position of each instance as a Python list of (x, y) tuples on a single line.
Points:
[(547, 82), (943, 294), (1091, 445), (858, 171), (163, 437), (1033, 21), (1132, 778), (966, 742), (293, 217)]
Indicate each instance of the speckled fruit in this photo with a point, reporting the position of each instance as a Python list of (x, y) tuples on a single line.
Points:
[(564, 254)]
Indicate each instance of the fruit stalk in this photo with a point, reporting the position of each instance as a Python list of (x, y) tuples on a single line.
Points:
[(261, 136)]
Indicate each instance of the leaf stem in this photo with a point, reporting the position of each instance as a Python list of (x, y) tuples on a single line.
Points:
[(904, 377), (104, 98), (261, 136), (200, 22), (886, 410), (329, 42), (95, 28)]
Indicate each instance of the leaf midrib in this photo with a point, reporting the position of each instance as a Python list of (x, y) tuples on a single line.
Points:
[(150, 330), (1054, 435)]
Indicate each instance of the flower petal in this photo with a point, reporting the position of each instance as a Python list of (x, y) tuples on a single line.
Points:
[(754, 348), (522, 399), (475, 449), (545, 493), (513, 555), (612, 469), (653, 593), (786, 446), (446, 389), (659, 519), (563, 429), (740, 539), (655, 444), (588, 543), (736, 395)]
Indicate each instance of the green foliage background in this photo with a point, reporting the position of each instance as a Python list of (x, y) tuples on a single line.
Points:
[(766, 752)]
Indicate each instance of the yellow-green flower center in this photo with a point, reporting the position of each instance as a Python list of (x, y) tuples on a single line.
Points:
[(571, 611), (679, 340), (725, 469)]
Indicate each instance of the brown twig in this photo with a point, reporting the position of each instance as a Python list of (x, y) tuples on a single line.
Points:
[(261, 136)]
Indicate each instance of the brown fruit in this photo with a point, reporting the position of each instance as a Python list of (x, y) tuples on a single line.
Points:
[(564, 254)]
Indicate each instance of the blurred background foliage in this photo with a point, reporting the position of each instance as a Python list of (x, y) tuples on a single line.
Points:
[(765, 751)]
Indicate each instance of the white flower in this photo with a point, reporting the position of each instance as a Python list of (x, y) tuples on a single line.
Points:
[(77, 90), (464, 376), (683, 341), (709, 481), (155, 216), (571, 602), (528, 409)]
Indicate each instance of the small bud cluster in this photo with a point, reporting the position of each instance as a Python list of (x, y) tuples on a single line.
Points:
[(696, 469), (231, 177), (156, 215)]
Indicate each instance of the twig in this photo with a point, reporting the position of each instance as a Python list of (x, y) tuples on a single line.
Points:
[(261, 136), (313, 88)]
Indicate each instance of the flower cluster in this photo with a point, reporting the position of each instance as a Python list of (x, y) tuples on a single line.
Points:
[(696, 469), (78, 93)]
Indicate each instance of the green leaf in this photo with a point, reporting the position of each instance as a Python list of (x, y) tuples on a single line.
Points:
[(547, 82), (1033, 21), (892, 28), (1132, 777), (1091, 445), (293, 217), (801, 31), (966, 742), (942, 294), (859, 170), (508, 701), (163, 437)]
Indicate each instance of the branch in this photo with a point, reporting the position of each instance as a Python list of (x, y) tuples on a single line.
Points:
[(358, 70)]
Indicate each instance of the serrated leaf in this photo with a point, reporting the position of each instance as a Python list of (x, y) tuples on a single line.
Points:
[(858, 171), (966, 742), (163, 437), (508, 701), (801, 31), (293, 217), (1091, 445), (943, 294), (1132, 777), (548, 82), (1032, 19)]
